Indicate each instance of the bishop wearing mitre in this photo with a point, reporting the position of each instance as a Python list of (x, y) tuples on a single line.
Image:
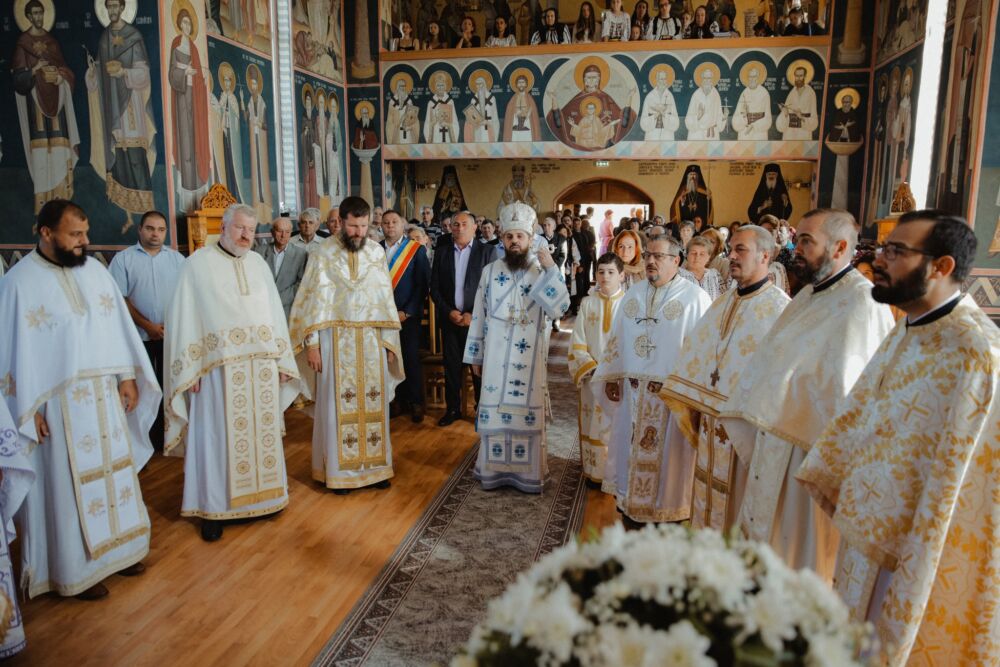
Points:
[(650, 466), (909, 468), (79, 385), (792, 386), (711, 361), (518, 297), (345, 331), (229, 375)]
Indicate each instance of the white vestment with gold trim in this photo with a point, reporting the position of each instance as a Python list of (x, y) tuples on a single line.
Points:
[(650, 466), (345, 306), (16, 477), (590, 334), (225, 329), (909, 468), (710, 363), (783, 399), (71, 342)]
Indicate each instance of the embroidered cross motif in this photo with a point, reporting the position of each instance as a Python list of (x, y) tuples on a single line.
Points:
[(912, 406), (530, 418), (125, 495), (502, 279), (715, 377), (348, 396), (81, 393), (525, 289), (869, 491), (38, 317), (350, 440), (522, 346), (373, 393), (373, 439), (550, 292), (107, 303), (8, 386)]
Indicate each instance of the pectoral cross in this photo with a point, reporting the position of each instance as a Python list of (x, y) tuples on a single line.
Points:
[(715, 377), (444, 134)]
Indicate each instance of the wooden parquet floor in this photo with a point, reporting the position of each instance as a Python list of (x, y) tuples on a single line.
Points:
[(271, 592)]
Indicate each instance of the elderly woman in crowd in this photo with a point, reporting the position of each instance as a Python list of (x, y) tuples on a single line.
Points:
[(696, 267), (417, 233)]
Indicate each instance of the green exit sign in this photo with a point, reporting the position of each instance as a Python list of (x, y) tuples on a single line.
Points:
[(602, 163)]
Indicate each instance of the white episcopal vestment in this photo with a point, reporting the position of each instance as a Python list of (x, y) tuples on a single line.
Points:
[(752, 115), (650, 467), (710, 363), (783, 399), (590, 335), (70, 342), (226, 328), (659, 119), (705, 120), (508, 337), (345, 307), (910, 471), (800, 125)]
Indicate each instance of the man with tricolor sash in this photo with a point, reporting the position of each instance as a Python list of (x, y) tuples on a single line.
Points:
[(345, 331), (410, 274)]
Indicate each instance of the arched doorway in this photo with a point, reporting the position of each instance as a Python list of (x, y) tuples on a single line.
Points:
[(603, 191)]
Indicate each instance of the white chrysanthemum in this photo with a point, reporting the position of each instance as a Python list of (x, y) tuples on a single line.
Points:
[(828, 652), (641, 646), (724, 575), (552, 622), (505, 613), (770, 614)]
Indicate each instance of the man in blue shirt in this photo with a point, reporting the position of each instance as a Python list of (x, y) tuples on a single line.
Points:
[(147, 273)]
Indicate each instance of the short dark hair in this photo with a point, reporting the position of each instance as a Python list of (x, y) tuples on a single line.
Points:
[(950, 236), (392, 210), (611, 258), (53, 211), (31, 4), (356, 207), (151, 214)]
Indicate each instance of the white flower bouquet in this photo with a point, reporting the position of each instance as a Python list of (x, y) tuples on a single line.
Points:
[(665, 595)]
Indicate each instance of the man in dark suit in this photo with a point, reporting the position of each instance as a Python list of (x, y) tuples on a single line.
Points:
[(287, 261), (410, 272), (454, 281)]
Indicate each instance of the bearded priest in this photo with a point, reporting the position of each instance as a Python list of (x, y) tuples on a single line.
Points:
[(230, 376), (650, 467), (345, 329), (517, 299), (908, 468), (710, 363), (83, 395), (793, 383)]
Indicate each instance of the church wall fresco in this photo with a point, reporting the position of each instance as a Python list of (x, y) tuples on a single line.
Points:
[(318, 37), (321, 143), (58, 124), (544, 180), (365, 142), (962, 90), (361, 38), (726, 103), (242, 125)]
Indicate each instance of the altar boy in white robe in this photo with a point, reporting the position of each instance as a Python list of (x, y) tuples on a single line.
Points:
[(345, 330), (76, 379), (230, 376), (650, 466), (517, 298), (590, 334)]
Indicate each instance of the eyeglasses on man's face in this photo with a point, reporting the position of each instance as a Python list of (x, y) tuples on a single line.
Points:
[(893, 250), (658, 256)]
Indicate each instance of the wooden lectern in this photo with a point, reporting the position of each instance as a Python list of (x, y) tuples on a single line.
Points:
[(205, 224)]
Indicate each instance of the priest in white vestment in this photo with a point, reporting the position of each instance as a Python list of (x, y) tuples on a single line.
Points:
[(78, 382), (590, 335), (230, 374), (650, 467), (908, 468), (441, 119), (345, 331), (705, 118), (517, 299), (793, 384), (710, 363), (799, 115), (16, 477), (659, 119), (752, 116)]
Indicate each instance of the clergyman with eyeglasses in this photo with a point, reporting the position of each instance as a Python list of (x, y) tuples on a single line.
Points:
[(650, 465)]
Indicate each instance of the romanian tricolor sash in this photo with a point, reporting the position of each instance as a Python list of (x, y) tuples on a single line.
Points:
[(399, 262)]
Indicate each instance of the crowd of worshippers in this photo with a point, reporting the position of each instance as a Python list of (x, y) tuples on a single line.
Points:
[(671, 20), (745, 408)]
